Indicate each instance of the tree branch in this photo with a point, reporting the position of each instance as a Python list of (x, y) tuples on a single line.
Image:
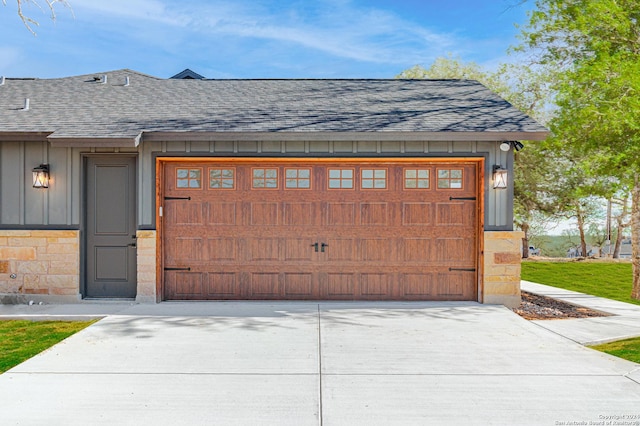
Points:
[(27, 21)]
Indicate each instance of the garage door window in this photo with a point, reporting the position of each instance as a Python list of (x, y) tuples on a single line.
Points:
[(298, 178), (416, 179), (340, 178), (222, 178), (265, 178), (189, 178), (450, 179), (374, 179)]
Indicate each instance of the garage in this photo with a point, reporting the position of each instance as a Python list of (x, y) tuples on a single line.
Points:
[(319, 229), (263, 189)]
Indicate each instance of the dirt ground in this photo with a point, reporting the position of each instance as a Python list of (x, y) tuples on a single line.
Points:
[(534, 307)]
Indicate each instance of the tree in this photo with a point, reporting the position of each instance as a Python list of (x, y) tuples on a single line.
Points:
[(573, 192), (28, 22), (597, 236), (594, 46), (451, 67), (622, 220), (571, 238), (526, 89)]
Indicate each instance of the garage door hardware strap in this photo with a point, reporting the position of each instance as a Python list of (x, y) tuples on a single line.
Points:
[(463, 269), (177, 198), (462, 198), (177, 269)]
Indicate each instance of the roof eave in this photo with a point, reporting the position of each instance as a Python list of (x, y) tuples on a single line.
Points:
[(343, 136), (24, 136), (98, 142), (181, 136)]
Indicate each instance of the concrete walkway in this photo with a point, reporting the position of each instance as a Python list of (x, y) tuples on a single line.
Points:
[(261, 363), (623, 323)]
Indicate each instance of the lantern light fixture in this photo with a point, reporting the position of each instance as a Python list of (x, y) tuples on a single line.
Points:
[(499, 177), (41, 176)]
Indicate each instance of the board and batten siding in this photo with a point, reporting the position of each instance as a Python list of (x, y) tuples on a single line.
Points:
[(22, 206)]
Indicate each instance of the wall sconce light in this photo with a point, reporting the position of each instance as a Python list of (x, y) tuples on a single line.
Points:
[(41, 176), (499, 177)]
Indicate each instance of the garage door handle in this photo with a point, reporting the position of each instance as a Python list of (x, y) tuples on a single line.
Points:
[(315, 245), (463, 269), (322, 246)]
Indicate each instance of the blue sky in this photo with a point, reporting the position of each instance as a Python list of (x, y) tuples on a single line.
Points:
[(257, 38)]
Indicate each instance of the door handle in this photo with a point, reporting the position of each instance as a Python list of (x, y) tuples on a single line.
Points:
[(322, 246), (315, 245)]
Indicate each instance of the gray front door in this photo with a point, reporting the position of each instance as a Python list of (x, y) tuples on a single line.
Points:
[(110, 227)]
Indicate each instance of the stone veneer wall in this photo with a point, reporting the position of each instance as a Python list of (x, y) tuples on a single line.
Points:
[(502, 257), (46, 266), (146, 245), (39, 265)]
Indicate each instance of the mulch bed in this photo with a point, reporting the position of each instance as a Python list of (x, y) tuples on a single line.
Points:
[(535, 307)]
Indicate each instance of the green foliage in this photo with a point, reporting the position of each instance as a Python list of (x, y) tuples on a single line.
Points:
[(20, 340), (554, 245), (446, 68), (628, 349), (612, 280), (596, 45)]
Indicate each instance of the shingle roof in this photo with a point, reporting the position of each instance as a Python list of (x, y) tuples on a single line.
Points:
[(188, 74), (85, 108)]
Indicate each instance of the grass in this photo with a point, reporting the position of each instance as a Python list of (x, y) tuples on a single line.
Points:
[(20, 340), (628, 349), (612, 280)]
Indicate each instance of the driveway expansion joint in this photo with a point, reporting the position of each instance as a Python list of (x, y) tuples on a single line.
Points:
[(320, 418)]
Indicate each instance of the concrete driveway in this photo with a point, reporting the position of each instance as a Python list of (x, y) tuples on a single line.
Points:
[(253, 363)]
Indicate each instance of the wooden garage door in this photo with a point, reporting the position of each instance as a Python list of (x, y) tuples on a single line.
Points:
[(320, 230)]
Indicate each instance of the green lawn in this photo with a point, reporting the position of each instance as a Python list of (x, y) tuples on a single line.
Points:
[(628, 349), (605, 279), (20, 340), (611, 280)]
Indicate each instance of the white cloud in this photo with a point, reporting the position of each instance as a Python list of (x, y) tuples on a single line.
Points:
[(335, 27), (145, 10)]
